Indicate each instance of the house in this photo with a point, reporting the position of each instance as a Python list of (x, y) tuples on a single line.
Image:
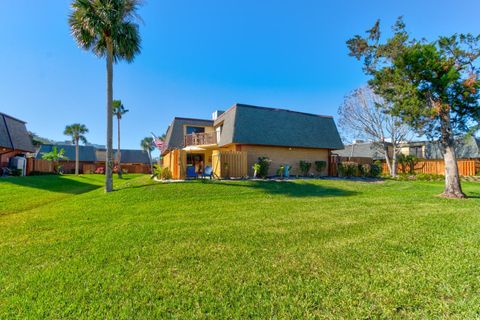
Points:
[(467, 147), (91, 157), (362, 150), (233, 141), (14, 139)]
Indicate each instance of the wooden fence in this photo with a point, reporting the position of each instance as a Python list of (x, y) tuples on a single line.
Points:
[(229, 164), (465, 167), (44, 166)]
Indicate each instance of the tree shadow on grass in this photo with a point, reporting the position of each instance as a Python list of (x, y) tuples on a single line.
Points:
[(292, 189), (53, 183)]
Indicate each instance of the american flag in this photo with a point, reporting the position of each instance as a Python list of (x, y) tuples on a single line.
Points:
[(159, 143)]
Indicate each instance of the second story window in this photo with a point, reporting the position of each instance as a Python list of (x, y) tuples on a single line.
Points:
[(191, 130)]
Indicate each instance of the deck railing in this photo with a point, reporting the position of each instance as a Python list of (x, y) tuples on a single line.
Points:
[(196, 139)]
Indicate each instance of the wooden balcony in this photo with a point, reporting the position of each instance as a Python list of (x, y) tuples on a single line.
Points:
[(198, 139)]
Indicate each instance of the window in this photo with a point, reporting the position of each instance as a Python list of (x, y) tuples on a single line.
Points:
[(191, 130), (416, 151), (218, 131)]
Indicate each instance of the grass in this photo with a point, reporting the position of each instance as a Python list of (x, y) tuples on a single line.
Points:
[(313, 249)]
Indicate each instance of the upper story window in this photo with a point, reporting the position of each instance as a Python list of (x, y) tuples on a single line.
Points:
[(417, 151), (191, 130), (218, 131)]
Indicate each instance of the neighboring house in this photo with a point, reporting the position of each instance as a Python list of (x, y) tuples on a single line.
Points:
[(362, 149), (285, 137), (14, 139), (466, 148), (91, 157)]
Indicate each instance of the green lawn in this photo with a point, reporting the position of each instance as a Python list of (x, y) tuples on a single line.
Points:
[(318, 249)]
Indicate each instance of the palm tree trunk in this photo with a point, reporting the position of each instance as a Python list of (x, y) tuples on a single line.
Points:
[(109, 153), (76, 157), (119, 155)]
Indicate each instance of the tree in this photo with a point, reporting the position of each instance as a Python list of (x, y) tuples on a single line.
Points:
[(55, 156), (364, 114), (147, 146), (108, 28), (432, 86), (118, 111), (77, 132)]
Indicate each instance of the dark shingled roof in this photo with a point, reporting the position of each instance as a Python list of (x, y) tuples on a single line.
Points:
[(92, 154), (86, 153), (14, 134), (174, 136), (361, 150), (246, 124), (128, 156), (465, 148)]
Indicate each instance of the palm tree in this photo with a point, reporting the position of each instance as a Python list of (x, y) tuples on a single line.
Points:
[(55, 156), (76, 131), (118, 111), (108, 28), (147, 146)]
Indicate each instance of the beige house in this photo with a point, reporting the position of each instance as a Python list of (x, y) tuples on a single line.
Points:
[(233, 141)]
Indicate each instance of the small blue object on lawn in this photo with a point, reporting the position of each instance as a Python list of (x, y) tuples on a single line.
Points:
[(191, 173), (287, 171), (208, 172)]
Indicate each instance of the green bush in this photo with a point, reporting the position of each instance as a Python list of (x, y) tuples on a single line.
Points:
[(16, 172), (261, 167), (162, 173), (281, 171), (375, 170), (305, 167), (429, 177), (348, 169), (320, 166), (364, 170)]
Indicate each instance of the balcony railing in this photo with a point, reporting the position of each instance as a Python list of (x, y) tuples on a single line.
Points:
[(197, 139)]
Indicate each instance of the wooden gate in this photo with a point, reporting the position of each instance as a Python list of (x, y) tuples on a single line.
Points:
[(333, 165), (229, 164)]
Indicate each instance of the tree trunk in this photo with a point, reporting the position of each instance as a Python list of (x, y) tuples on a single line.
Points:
[(109, 153), (76, 157), (394, 163), (453, 188), (387, 159), (119, 155)]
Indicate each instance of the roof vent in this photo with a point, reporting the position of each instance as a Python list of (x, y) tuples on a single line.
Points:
[(216, 114)]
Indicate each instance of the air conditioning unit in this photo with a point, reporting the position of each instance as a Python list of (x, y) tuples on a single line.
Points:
[(18, 163)]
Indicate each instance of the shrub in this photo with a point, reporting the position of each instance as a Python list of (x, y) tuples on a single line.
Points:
[(100, 170), (375, 170), (348, 169), (305, 167), (281, 171), (16, 172), (320, 166), (166, 174), (261, 167), (364, 170), (429, 177), (162, 173)]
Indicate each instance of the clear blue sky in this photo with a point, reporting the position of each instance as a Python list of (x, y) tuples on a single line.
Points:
[(199, 56)]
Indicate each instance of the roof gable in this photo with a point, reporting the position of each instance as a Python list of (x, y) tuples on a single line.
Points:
[(174, 137), (245, 124), (14, 134)]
